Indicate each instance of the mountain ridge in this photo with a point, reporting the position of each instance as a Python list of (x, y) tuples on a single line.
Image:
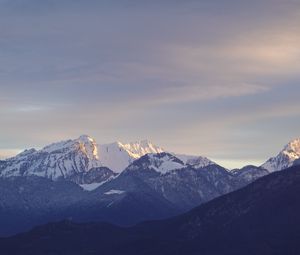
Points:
[(83, 161), (72, 158), (154, 186), (261, 218)]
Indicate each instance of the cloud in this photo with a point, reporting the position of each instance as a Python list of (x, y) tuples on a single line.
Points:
[(191, 75), (188, 93)]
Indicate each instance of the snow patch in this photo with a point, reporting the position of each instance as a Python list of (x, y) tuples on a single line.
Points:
[(114, 191), (164, 164), (92, 186)]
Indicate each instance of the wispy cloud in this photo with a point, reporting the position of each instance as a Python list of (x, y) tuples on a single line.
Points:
[(190, 74)]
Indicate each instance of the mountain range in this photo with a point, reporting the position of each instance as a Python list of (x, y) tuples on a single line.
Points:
[(83, 181), (73, 159), (262, 218)]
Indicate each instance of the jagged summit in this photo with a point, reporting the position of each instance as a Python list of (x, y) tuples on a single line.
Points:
[(58, 160), (117, 156), (160, 162), (285, 158), (71, 158), (292, 149), (68, 157), (84, 144), (140, 148), (195, 161), (85, 138)]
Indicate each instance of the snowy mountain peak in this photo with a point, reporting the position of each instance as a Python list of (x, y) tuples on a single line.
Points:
[(61, 159), (117, 156), (285, 158), (89, 146), (86, 140), (140, 148), (160, 162), (84, 144), (195, 161), (71, 158), (292, 149)]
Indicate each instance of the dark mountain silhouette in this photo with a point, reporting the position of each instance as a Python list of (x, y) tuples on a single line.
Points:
[(141, 192), (262, 218)]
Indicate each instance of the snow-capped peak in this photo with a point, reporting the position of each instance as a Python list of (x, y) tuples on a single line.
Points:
[(89, 146), (195, 161), (160, 162), (285, 158), (117, 156), (140, 148), (84, 144), (61, 159), (292, 149), (70, 157)]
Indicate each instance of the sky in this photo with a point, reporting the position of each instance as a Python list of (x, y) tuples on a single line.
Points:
[(219, 78)]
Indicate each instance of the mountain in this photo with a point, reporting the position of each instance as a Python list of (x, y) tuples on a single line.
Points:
[(58, 160), (155, 186), (72, 159), (83, 161), (285, 158), (184, 186), (248, 174), (262, 218), (117, 156), (160, 162), (195, 161), (29, 201)]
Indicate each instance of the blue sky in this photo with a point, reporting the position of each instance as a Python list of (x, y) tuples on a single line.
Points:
[(216, 78)]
